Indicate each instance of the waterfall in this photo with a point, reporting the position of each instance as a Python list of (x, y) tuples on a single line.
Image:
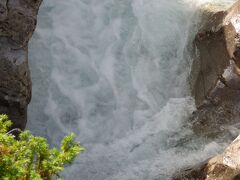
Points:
[(115, 72)]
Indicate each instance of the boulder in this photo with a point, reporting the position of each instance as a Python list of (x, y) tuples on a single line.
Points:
[(225, 166), (220, 111), (17, 22), (216, 44), (215, 84), (215, 76)]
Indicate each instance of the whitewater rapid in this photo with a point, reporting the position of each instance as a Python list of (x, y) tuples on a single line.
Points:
[(116, 72)]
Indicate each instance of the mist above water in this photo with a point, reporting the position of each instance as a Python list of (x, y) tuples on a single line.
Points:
[(115, 73)]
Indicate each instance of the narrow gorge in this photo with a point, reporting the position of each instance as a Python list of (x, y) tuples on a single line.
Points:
[(151, 88)]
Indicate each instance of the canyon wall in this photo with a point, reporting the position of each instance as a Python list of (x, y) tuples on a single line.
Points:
[(18, 19), (215, 84)]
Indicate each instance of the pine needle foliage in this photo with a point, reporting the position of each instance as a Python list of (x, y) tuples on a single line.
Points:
[(30, 158)]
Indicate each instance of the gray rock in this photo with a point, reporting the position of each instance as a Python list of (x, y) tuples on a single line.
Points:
[(17, 23)]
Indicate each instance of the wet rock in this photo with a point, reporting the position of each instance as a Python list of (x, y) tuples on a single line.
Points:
[(219, 113), (216, 88), (225, 166), (215, 74), (17, 22), (216, 43)]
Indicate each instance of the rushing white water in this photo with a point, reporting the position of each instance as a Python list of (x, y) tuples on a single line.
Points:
[(115, 73)]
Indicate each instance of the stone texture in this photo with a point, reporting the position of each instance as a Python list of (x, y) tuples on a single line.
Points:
[(225, 166), (215, 81), (17, 22), (219, 114), (215, 73), (217, 42)]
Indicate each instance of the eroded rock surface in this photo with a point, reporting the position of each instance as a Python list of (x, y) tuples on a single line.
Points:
[(219, 114), (215, 72), (217, 42), (225, 166), (17, 22), (216, 87)]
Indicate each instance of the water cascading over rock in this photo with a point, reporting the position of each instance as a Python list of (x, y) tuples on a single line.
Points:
[(17, 23), (225, 166), (216, 88), (115, 73), (215, 71)]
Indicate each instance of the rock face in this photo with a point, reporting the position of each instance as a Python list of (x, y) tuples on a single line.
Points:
[(221, 167), (215, 77), (17, 23), (217, 42), (215, 81), (221, 109)]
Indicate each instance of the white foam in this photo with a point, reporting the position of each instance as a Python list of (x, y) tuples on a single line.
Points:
[(115, 72), (235, 22)]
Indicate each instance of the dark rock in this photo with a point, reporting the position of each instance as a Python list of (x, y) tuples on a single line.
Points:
[(17, 22)]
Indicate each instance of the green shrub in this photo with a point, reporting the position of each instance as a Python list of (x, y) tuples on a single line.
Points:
[(30, 158)]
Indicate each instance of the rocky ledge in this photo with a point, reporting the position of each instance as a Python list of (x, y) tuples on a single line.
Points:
[(18, 19), (215, 76), (217, 46), (215, 84), (225, 166)]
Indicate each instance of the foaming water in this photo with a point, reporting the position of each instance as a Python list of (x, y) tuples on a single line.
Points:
[(115, 73)]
